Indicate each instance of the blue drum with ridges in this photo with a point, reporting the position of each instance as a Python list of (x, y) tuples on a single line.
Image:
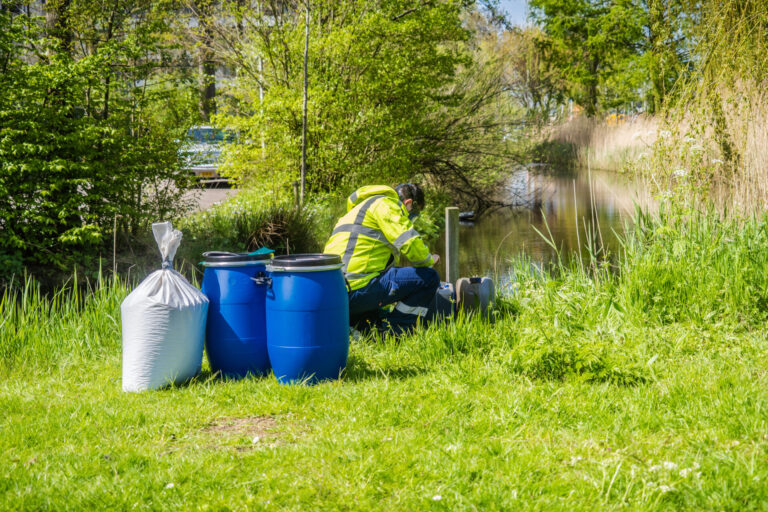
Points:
[(307, 318), (235, 335)]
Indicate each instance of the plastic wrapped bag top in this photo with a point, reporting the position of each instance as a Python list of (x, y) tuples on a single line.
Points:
[(166, 287), (168, 240)]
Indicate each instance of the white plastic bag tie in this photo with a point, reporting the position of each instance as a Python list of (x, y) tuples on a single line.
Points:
[(168, 240)]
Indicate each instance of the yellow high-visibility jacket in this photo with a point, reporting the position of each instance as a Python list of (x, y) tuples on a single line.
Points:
[(375, 232)]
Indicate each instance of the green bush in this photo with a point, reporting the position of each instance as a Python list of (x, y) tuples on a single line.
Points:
[(561, 155), (250, 221), (84, 148)]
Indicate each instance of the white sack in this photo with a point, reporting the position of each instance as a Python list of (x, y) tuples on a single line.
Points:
[(163, 323)]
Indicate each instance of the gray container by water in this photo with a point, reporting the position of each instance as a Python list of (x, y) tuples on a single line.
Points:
[(475, 294)]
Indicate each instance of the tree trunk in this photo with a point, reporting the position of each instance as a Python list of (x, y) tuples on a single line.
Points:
[(591, 106), (240, 7), (655, 65), (207, 59), (57, 27), (57, 23), (107, 85), (14, 9)]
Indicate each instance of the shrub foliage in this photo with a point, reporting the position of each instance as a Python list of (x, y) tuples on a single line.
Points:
[(86, 139)]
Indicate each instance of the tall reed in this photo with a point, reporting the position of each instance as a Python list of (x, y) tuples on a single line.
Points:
[(38, 329)]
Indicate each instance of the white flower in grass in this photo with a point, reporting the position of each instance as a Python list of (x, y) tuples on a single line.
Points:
[(256, 439), (169, 485), (437, 497), (654, 469), (685, 472), (680, 173), (670, 466), (665, 488), (664, 134)]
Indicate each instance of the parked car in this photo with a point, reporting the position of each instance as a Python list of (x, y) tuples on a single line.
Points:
[(202, 151)]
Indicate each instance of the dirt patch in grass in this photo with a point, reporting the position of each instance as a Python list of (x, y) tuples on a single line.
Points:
[(253, 426), (243, 434)]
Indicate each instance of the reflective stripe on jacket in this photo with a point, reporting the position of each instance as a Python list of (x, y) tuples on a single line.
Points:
[(375, 228)]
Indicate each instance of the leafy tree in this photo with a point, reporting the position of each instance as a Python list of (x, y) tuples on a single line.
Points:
[(531, 76), (394, 92), (86, 138), (593, 43), (667, 29)]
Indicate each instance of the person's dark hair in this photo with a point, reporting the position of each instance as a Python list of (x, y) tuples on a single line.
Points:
[(411, 191)]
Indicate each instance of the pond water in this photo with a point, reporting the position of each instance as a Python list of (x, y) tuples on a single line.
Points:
[(569, 206)]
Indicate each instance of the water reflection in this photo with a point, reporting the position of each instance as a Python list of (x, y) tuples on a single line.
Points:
[(567, 206)]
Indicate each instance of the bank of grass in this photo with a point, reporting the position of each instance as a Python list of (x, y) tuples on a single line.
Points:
[(251, 219), (640, 386)]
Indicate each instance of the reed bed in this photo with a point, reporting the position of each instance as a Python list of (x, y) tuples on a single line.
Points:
[(609, 144), (712, 143)]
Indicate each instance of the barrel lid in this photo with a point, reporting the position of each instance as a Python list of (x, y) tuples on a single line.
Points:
[(306, 260), (233, 257)]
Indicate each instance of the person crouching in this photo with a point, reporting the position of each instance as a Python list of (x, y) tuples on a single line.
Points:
[(371, 238)]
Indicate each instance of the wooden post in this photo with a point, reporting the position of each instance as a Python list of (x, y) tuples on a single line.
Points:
[(114, 249), (452, 244)]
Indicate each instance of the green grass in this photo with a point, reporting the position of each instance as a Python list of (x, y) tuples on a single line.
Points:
[(603, 388)]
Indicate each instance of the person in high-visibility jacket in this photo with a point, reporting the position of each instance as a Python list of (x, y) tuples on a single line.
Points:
[(373, 238)]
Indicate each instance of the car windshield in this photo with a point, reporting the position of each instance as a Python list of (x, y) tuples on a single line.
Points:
[(208, 135)]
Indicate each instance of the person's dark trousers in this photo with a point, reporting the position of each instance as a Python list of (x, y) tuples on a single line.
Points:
[(412, 288)]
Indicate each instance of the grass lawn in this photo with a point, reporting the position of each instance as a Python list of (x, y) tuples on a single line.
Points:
[(642, 388), (423, 424)]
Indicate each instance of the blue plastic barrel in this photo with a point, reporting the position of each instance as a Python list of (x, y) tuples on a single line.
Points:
[(235, 335), (307, 318)]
